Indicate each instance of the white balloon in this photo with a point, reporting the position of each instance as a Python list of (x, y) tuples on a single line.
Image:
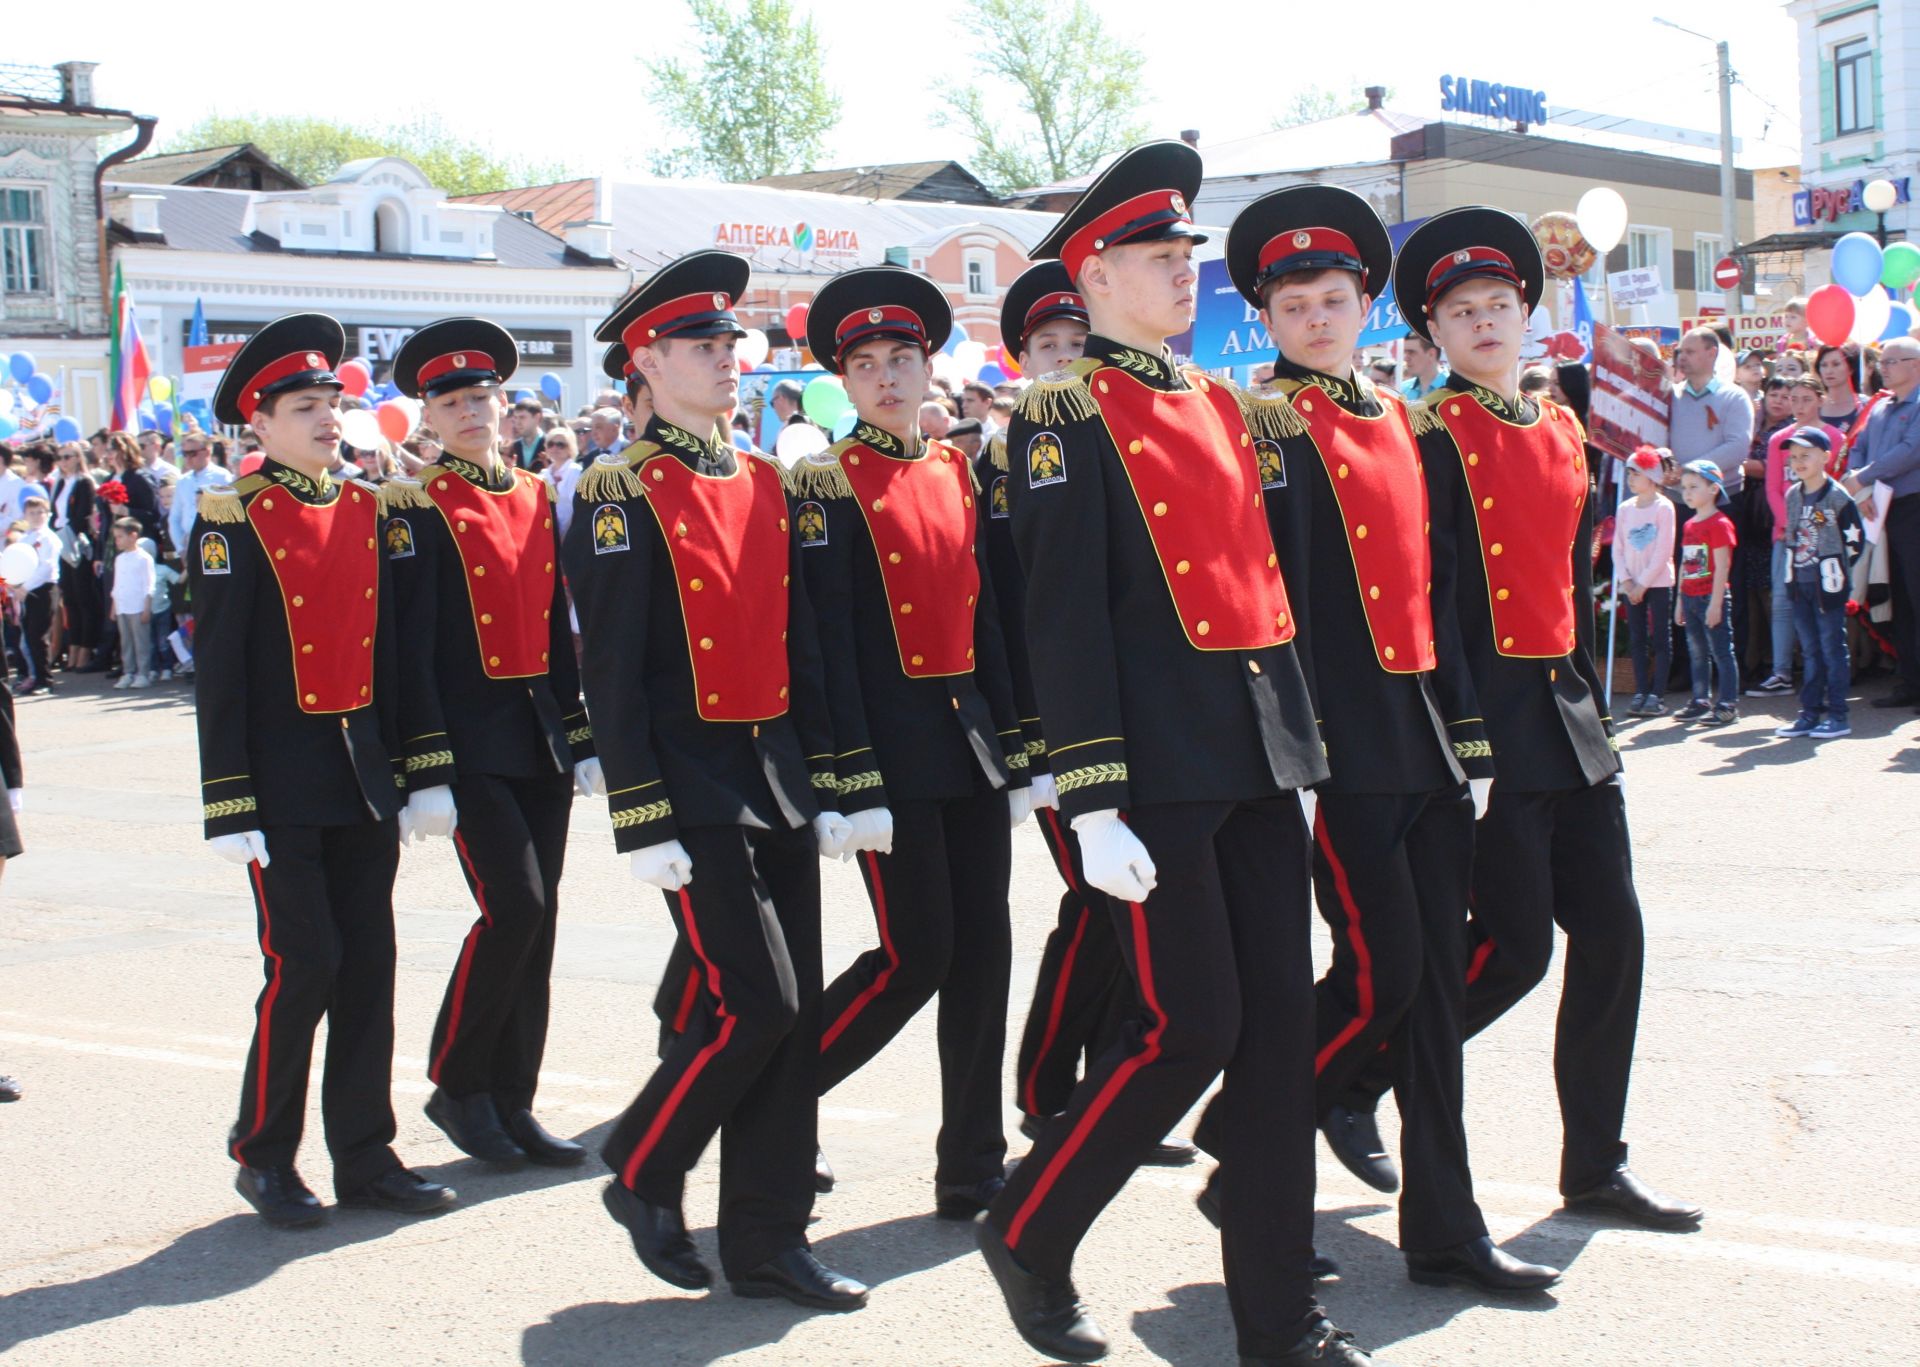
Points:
[(754, 348), (1602, 216), (1870, 314), (970, 356), (797, 441), (17, 562), (360, 429)]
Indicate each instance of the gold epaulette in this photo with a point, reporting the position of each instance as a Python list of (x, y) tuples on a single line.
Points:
[(1424, 414), (997, 453), (368, 485), (1269, 411), (228, 502), (1061, 395), (399, 494), (820, 475), (616, 475)]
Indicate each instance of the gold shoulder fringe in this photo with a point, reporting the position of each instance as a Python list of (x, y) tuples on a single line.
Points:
[(398, 494), (820, 476), (1061, 395), (616, 476), (997, 454), (221, 505), (1269, 412), (1425, 415)]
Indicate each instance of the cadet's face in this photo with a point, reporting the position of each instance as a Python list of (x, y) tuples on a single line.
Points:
[(467, 420), (1052, 345), (304, 427), (887, 381), (1316, 323), (1481, 325), (1155, 281), (693, 375)]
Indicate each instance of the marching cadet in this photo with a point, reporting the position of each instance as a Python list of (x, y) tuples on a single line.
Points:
[(299, 695), (1393, 824), (1508, 491), (705, 683), (1178, 726), (498, 737), (1082, 989), (930, 764)]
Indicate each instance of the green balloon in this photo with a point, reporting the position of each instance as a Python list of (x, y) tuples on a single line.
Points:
[(824, 400), (1900, 265)]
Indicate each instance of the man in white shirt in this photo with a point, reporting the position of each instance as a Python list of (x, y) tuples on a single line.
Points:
[(12, 489), (35, 592), (196, 453)]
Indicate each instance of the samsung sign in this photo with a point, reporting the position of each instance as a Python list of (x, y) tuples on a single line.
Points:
[(1458, 95)]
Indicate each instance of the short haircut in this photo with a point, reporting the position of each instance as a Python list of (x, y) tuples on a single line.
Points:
[(792, 390), (612, 415), (1807, 382), (1002, 403), (1534, 380), (966, 427), (527, 406), (1312, 275), (1709, 333), (978, 390), (130, 525)]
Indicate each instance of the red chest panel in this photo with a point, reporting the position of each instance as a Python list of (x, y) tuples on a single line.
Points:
[(921, 516), (505, 541), (1528, 484), (727, 538), (1190, 460), (1373, 468), (327, 563)]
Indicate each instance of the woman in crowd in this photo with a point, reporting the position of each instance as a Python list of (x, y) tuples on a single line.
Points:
[(1835, 370), (73, 500)]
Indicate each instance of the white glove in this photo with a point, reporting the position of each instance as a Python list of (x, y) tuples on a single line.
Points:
[(1046, 792), (588, 781), (430, 811), (1019, 805), (16, 798), (830, 832), (1309, 804), (1116, 862), (871, 829), (666, 866), (247, 847), (1479, 787)]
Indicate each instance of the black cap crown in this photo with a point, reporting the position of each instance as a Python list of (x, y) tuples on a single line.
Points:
[(297, 351), (690, 297), (1308, 228), (1042, 293), (876, 301), (454, 353), (1144, 195), (1473, 243)]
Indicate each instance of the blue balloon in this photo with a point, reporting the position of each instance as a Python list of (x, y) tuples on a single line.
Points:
[(1857, 263), (7, 426), (992, 374), (39, 387), (550, 385), (163, 417), (520, 394), (1901, 320), (147, 422), (66, 430), (741, 441), (21, 367), (844, 426)]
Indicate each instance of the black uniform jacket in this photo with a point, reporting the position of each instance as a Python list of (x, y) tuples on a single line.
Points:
[(1010, 595), (476, 576), (1144, 700), (296, 667), (1350, 522), (740, 736), (1512, 540), (923, 707)]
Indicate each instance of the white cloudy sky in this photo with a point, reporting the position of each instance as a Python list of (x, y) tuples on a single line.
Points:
[(549, 82)]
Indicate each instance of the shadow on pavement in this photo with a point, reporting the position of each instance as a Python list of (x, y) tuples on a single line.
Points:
[(892, 1249), (674, 1330)]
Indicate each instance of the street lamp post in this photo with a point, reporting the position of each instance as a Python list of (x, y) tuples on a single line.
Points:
[(1877, 197), (1729, 203)]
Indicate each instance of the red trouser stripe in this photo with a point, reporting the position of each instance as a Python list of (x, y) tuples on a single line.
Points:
[(1478, 964), (264, 1029), (1054, 1011), (1356, 937), (879, 984), (465, 967), (1149, 1051), (1062, 854), (688, 996), (631, 1168)]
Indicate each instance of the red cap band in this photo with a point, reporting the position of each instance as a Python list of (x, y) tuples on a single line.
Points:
[(268, 375), (1305, 242), (1154, 209), (453, 361), (1470, 263), (675, 315), (1068, 305), (888, 319)]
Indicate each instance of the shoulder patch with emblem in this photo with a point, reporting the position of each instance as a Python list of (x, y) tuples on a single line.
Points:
[(997, 499), (609, 529), (810, 522), (214, 557), (1046, 462), (399, 538), (1273, 463)]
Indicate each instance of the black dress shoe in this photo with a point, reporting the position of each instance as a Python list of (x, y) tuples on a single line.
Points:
[(659, 1237), (1326, 1344), (1626, 1196), (1480, 1265), (964, 1200), (549, 1150), (1049, 1315), (822, 1172), (798, 1276), (10, 1089), (282, 1199), (473, 1125), (1354, 1137), (1320, 1267), (403, 1192)]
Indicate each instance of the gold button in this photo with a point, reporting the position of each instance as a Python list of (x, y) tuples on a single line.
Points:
[(1374, 591), (969, 652), (366, 642), (1486, 503), (369, 593), (363, 690), (706, 643), (1306, 405), (968, 500), (486, 619), (784, 579), (1245, 440), (1133, 447), (1502, 595), (1103, 389), (549, 567), (659, 475), (756, 733), (906, 608), (1159, 510), (853, 460), (712, 698), (893, 557), (546, 614), (680, 530), (1426, 526), (1273, 561), (1496, 549), (696, 584), (439, 484), (783, 635), (1553, 676), (267, 503), (1361, 531), (310, 700), (1204, 386), (1343, 470), (1280, 620), (879, 504), (969, 600), (1203, 627), (1388, 652), (956, 703), (1473, 457), (280, 554), (356, 497), (306, 648), (1182, 567), (543, 657), (549, 524), (783, 524), (919, 659), (1253, 666), (1506, 643), (945, 456), (480, 571), (1453, 410), (460, 526), (493, 661), (1256, 500), (370, 543), (298, 601)]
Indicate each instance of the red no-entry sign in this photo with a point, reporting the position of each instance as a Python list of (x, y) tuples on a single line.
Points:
[(1726, 273)]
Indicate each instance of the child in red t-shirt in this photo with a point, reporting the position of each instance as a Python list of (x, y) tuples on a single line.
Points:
[(1705, 609)]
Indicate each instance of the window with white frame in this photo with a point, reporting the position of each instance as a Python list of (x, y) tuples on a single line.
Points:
[(1652, 247), (1707, 252), (24, 249), (1852, 87), (979, 274)]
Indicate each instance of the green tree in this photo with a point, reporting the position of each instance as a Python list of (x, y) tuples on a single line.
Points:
[(1312, 103), (755, 102), (1078, 87), (313, 149)]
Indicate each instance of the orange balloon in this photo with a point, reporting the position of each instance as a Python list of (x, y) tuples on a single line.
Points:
[(394, 423)]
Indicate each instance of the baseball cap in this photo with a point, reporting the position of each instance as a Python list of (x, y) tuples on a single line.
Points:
[(1815, 437), (1707, 470)]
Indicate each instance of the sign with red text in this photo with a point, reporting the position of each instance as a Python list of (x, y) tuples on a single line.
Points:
[(1631, 400)]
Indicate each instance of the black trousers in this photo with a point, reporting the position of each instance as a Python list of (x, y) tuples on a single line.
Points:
[(324, 904), (36, 620), (744, 1066), (1903, 578), (1561, 858), (1082, 992), (940, 906), (492, 1027), (80, 599), (1219, 956)]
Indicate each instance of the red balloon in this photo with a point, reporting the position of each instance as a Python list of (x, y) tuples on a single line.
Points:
[(248, 464), (355, 377), (741, 361), (1830, 314), (797, 324), (393, 420)]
